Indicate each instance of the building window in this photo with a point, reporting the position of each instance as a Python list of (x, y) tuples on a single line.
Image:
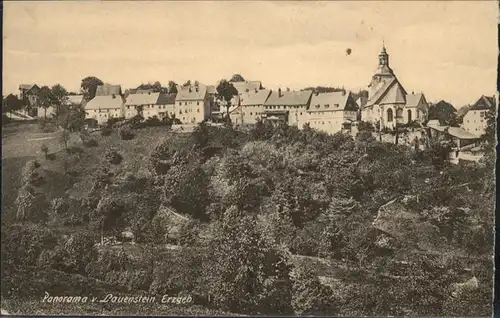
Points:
[(197, 110), (185, 103), (389, 115), (301, 114), (481, 114), (180, 103), (197, 103), (327, 106), (250, 113)]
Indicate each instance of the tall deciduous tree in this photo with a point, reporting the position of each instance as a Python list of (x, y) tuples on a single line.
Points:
[(89, 86), (60, 97), (226, 92), (11, 103), (172, 87), (46, 98)]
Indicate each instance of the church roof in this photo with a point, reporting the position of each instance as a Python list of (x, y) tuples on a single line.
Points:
[(390, 92), (412, 100)]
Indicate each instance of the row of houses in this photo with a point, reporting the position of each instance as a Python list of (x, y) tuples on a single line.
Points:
[(387, 105)]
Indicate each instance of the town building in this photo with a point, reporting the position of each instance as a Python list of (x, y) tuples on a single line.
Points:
[(193, 104), (289, 106), (475, 120), (150, 104), (251, 107), (332, 112), (29, 94), (247, 86), (108, 103), (387, 99)]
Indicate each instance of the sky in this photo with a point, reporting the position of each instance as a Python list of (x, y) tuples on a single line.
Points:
[(448, 50)]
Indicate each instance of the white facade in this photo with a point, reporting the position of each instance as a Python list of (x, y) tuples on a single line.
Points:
[(475, 122)]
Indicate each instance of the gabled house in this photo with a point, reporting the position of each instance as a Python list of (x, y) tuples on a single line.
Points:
[(150, 104), (289, 106), (108, 103), (332, 112), (474, 121), (251, 107), (192, 104), (29, 94)]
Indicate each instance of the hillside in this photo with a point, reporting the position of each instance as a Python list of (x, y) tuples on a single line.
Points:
[(298, 215)]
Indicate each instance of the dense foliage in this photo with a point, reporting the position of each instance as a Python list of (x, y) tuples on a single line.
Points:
[(394, 227)]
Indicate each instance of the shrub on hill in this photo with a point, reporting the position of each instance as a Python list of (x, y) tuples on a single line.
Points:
[(113, 157), (106, 131), (126, 133)]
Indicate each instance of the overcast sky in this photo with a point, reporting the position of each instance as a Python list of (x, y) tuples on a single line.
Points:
[(445, 49)]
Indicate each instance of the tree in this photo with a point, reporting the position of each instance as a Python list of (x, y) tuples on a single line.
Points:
[(11, 103), (157, 86), (89, 86), (188, 83), (444, 112), (226, 92), (172, 87), (309, 296), (60, 97), (237, 78), (46, 98), (245, 272)]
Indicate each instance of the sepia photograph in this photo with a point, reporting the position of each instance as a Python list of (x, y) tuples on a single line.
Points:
[(249, 158)]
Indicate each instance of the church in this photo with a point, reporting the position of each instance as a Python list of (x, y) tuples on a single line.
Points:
[(388, 102)]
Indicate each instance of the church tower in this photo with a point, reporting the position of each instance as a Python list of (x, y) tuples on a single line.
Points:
[(383, 63)]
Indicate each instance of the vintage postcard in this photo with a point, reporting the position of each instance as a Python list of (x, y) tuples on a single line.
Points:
[(224, 158)]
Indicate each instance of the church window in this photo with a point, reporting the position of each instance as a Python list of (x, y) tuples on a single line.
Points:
[(389, 115), (327, 106)]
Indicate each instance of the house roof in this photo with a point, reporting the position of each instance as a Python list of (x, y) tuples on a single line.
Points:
[(289, 98), (191, 92), (413, 100), (484, 102), (150, 99), (27, 86), (74, 100), (243, 87), (329, 101), (105, 102), (108, 89), (254, 98), (461, 133)]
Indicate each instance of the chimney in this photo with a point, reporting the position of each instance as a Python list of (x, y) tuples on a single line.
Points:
[(279, 92)]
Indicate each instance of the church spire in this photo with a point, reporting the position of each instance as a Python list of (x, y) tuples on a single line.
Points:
[(383, 57)]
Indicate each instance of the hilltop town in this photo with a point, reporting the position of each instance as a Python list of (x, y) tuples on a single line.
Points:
[(385, 106)]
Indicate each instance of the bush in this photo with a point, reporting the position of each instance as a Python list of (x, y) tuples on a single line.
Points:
[(113, 157), (106, 131), (126, 133), (112, 121), (153, 121)]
